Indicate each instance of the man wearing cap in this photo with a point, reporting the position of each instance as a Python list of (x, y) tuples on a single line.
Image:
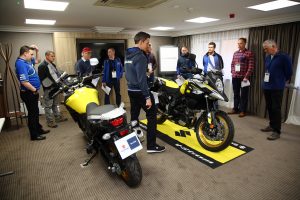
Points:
[(83, 66)]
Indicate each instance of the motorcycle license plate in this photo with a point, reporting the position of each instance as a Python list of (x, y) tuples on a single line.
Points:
[(128, 145)]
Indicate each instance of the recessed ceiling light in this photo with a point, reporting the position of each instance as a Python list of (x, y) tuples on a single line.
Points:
[(40, 21), (273, 5), (202, 20), (45, 5), (162, 28)]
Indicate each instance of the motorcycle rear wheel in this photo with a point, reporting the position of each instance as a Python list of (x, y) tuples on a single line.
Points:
[(132, 171), (227, 131)]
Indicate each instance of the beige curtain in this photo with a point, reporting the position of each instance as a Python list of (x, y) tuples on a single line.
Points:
[(183, 41), (287, 37)]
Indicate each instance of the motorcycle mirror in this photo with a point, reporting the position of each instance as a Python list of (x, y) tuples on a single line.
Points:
[(61, 76)]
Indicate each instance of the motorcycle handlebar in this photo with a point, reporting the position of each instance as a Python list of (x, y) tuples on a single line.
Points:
[(58, 92)]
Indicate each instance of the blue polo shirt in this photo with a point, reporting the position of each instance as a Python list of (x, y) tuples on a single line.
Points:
[(26, 73)]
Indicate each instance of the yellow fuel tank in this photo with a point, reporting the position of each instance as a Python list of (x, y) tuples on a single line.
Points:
[(81, 98)]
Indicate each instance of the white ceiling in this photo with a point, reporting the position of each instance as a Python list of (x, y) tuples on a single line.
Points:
[(83, 15)]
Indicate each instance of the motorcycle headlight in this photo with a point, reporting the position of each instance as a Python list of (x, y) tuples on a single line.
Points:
[(219, 85)]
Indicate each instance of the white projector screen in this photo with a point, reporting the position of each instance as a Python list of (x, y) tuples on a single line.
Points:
[(168, 56)]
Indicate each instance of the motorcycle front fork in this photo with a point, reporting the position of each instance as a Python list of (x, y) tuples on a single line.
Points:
[(211, 119)]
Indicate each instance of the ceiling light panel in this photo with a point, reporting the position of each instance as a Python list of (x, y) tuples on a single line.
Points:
[(274, 5), (202, 20), (45, 5), (162, 28), (40, 21)]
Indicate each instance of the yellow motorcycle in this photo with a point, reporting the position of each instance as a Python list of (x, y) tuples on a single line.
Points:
[(193, 104), (105, 127)]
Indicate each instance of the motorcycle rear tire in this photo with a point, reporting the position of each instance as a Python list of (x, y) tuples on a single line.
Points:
[(204, 142), (132, 172)]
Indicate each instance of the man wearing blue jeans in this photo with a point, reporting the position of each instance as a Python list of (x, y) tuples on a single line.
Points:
[(138, 90)]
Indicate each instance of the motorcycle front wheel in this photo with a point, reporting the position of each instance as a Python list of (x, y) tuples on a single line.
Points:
[(211, 137), (132, 171)]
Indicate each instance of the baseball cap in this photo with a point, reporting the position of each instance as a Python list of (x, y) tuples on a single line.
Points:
[(86, 49)]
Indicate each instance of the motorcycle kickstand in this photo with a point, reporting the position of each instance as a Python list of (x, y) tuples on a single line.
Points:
[(89, 160)]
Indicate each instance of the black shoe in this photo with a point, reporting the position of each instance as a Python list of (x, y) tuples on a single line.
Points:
[(267, 129), (40, 137), (274, 136), (42, 132), (156, 149)]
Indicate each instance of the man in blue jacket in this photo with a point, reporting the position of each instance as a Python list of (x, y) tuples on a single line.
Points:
[(140, 97), (112, 73), (212, 60), (185, 63), (278, 71)]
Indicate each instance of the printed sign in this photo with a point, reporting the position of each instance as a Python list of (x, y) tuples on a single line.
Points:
[(128, 145)]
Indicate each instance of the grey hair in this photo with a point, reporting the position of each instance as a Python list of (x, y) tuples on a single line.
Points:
[(270, 43), (47, 53)]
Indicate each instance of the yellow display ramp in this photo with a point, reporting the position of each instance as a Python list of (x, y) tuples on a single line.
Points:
[(185, 140)]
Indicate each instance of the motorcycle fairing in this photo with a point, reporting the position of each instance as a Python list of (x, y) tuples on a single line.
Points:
[(169, 83)]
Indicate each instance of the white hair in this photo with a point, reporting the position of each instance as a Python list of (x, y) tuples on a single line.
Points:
[(270, 43)]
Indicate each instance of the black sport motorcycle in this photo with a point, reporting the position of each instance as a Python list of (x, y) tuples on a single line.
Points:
[(194, 105), (105, 127)]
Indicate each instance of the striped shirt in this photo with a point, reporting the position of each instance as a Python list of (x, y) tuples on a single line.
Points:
[(245, 59)]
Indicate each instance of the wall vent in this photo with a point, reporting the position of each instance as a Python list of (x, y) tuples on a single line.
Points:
[(130, 4)]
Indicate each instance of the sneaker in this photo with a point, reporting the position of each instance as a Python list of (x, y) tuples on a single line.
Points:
[(274, 136), (156, 149), (52, 124), (60, 119), (267, 129)]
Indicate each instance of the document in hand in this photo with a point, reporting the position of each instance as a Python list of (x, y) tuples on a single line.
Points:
[(106, 89), (245, 83)]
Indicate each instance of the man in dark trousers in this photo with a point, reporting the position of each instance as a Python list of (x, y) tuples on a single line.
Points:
[(278, 71), (48, 73), (112, 73), (29, 91), (140, 97), (242, 66)]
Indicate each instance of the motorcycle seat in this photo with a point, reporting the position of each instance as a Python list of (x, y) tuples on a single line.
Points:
[(94, 111), (105, 112)]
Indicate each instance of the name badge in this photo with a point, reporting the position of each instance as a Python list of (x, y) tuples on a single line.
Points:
[(114, 74), (150, 68), (237, 67), (267, 77)]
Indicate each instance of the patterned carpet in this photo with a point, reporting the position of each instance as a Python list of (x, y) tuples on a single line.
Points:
[(50, 169)]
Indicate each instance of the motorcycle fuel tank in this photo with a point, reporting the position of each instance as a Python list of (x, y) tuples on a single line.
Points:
[(81, 97)]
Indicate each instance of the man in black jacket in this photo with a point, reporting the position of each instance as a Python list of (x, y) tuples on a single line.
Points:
[(48, 73), (138, 90)]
